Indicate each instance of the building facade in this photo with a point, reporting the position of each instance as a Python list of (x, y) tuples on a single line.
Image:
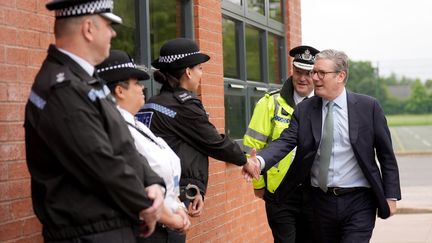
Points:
[(248, 42)]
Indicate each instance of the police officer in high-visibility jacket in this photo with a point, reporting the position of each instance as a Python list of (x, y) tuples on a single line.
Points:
[(290, 218)]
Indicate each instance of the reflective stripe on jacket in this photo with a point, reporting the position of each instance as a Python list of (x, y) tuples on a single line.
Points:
[(270, 117)]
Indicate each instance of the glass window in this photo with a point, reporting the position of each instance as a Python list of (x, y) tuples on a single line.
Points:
[(125, 39), (235, 115), (256, 6), (253, 55), (238, 2), (160, 22), (254, 98), (164, 24), (275, 7), (274, 65), (253, 47), (229, 49)]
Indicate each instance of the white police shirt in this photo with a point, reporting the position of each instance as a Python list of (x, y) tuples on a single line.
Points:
[(159, 155)]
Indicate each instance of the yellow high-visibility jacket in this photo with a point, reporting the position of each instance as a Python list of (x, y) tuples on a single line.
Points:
[(271, 116)]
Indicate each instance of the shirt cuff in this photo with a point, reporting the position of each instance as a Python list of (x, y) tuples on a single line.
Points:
[(262, 162)]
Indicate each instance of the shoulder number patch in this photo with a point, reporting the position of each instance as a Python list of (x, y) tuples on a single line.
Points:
[(145, 117)]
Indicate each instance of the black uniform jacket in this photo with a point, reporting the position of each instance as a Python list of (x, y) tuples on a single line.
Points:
[(86, 174), (369, 136), (178, 116), (287, 92)]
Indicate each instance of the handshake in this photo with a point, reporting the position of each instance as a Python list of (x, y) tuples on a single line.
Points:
[(252, 169)]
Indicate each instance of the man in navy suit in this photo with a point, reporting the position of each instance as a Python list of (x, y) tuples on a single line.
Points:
[(336, 155)]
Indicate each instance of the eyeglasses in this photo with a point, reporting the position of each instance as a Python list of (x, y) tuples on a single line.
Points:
[(321, 74)]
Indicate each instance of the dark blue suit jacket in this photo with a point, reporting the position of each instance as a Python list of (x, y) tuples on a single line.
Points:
[(368, 133)]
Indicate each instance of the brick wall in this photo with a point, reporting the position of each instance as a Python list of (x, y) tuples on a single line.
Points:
[(293, 28), (25, 32), (231, 211)]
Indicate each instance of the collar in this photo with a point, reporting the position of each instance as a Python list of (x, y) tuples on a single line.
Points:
[(126, 115), (298, 98), (287, 92), (340, 101), (83, 63)]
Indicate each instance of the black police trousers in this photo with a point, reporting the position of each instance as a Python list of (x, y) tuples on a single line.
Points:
[(291, 220)]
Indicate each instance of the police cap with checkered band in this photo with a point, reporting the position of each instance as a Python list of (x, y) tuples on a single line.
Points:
[(74, 8), (179, 53), (118, 67), (304, 57)]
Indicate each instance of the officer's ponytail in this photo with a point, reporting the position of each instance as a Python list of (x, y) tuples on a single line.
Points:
[(169, 77)]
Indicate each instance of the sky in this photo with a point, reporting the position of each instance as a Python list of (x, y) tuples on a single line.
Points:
[(394, 35)]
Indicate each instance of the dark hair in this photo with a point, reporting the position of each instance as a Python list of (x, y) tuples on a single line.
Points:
[(169, 77), (123, 84)]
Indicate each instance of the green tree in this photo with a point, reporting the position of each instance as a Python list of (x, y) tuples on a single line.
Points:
[(363, 79), (428, 85), (394, 105), (126, 38), (390, 80), (419, 102)]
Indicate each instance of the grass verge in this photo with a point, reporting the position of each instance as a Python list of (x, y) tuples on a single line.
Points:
[(409, 120)]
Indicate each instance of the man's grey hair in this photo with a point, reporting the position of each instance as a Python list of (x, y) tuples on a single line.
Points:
[(339, 58)]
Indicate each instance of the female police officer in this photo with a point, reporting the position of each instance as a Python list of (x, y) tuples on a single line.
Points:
[(121, 75), (178, 116)]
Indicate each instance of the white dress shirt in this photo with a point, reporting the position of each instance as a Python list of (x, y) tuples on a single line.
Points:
[(160, 157), (298, 98), (83, 63), (344, 170)]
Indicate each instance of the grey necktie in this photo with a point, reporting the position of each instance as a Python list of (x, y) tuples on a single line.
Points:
[(326, 148)]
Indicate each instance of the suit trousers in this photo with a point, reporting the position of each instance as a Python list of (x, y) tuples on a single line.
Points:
[(122, 235), (291, 219), (347, 218)]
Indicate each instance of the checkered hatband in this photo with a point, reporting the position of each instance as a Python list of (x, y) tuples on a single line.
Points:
[(123, 65), (93, 7), (173, 58)]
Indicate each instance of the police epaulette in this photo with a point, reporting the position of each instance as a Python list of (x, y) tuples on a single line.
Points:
[(60, 77), (184, 96), (276, 91)]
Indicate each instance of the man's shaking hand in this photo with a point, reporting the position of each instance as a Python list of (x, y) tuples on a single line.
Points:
[(252, 168)]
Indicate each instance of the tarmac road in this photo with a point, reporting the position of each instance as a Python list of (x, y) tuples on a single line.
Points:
[(412, 139)]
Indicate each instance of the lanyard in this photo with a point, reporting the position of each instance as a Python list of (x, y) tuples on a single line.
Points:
[(145, 135)]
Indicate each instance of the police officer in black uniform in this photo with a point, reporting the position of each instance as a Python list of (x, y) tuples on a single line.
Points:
[(89, 184), (178, 116)]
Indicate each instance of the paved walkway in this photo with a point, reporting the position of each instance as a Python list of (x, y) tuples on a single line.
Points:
[(404, 228), (413, 222)]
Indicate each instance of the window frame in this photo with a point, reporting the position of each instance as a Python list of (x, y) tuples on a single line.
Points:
[(243, 17), (143, 43)]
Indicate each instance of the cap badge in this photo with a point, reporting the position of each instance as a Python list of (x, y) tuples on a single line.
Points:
[(307, 55)]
